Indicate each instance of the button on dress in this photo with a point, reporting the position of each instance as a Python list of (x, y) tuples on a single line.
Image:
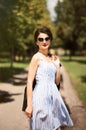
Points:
[(49, 110)]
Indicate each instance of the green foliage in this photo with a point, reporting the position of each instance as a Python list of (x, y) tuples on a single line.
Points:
[(18, 21), (72, 15)]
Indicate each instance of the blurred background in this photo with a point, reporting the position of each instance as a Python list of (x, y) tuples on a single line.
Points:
[(67, 21)]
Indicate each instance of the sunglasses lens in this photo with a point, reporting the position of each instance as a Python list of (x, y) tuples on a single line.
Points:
[(47, 38), (41, 39)]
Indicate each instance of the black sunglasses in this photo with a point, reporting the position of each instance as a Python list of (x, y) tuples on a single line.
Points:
[(42, 39)]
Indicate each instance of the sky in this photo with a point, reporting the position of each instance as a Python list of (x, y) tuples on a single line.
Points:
[(51, 5)]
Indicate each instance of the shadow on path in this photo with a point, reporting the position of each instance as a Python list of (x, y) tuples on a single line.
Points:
[(6, 96), (20, 79)]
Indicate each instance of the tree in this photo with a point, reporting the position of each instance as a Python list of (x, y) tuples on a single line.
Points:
[(18, 21), (72, 14)]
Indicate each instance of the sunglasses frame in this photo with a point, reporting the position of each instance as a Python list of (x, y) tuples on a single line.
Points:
[(42, 39)]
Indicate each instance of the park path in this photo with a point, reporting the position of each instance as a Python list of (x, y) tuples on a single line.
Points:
[(75, 106), (12, 118)]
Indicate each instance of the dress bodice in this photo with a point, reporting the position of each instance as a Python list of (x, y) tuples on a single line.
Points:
[(46, 71)]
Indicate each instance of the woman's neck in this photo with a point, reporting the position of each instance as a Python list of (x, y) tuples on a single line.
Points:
[(44, 52)]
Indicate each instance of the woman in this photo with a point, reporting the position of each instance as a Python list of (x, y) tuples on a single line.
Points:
[(45, 108)]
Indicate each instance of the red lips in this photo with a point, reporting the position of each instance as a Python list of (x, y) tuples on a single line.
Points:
[(44, 45)]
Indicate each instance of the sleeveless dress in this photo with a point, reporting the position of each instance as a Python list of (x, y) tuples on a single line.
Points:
[(49, 110)]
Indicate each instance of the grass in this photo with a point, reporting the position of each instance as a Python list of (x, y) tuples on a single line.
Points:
[(6, 72), (76, 68), (21, 65)]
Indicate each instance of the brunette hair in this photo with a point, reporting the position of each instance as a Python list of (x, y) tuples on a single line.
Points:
[(43, 30)]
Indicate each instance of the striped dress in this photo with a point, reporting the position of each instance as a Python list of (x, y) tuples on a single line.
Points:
[(49, 110)]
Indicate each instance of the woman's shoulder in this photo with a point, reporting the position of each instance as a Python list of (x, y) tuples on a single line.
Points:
[(36, 57)]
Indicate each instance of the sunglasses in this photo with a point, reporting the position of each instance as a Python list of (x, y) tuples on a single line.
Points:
[(42, 39)]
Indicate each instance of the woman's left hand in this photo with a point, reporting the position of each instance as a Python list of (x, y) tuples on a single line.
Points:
[(56, 60), (28, 111)]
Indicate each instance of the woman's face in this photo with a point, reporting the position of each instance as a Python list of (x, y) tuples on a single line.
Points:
[(43, 41)]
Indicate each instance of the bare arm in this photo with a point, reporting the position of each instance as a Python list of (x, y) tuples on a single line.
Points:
[(56, 61), (32, 71), (57, 78)]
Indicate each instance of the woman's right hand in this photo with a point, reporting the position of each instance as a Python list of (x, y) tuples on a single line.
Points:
[(28, 111)]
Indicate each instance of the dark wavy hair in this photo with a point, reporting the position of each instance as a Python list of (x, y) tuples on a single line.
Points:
[(43, 30)]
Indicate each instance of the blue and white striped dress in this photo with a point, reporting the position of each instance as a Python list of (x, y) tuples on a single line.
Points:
[(49, 110)]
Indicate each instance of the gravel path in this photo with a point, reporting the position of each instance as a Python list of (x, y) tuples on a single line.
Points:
[(11, 115), (12, 118), (75, 106)]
